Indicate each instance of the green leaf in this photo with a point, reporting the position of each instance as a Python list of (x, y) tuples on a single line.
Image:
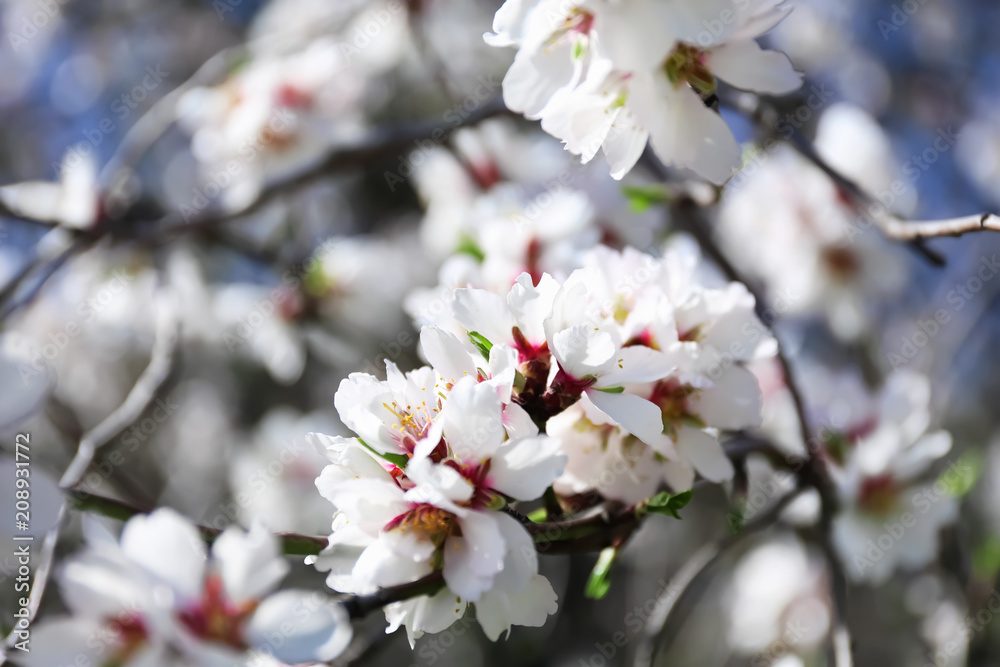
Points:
[(540, 514), (962, 475), (599, 582), (665, 503), (986, 558), (494, 501), (641, 198), (735, 520), (481, 343), (611, 390), (398, 460), (468, 246)]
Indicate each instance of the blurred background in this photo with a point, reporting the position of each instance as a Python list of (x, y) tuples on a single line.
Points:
[(274, 166)]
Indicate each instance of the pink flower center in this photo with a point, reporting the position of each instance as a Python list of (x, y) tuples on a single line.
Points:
[(879, 495), (431, 523), (215, 617), (673, 398)]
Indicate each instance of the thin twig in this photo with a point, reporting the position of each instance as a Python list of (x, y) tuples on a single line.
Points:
[(80, 243), (139, 398), (142, 394), (814, 472), (867, 205), (381, 144), (696, 565)]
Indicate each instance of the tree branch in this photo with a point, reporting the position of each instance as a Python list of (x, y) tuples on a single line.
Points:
[(864, 203), (381, 144), (139, 398), (814, 472), (695, 566)]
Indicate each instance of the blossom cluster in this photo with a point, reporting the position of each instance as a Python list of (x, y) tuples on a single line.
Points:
[(156, 598), (893, 510), (618, 379), (610, 75)]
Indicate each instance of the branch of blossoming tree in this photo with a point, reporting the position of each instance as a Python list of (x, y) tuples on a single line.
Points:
[(813, 472), (382, 143), (696, 565), (689, 216), (162, 115), (47, 268), (840, 651), (591, 530), (142, 395), (743, 444), (892, 226), (292, 545), (601, 526)]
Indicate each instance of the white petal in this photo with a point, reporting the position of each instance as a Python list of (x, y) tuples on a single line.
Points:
[(705, 453), (531, 305), (348, 456), (446, 354), (624, 144), (509, 23), (517, 422), (523, 469), (97, 585), (311, 626), (521, 560), (64, 641), (919, 456), (359, 394), (425, 614), (472, 561), (531, 606), (683, 131), (637, 364), (503, 370), (636, 35), (582, 351), (250, 563), (436, 484), (473, 420), (745, 65), (534, 78), (633, 413), (733, 402), (485, 313), (363, 500), (169, 547)]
